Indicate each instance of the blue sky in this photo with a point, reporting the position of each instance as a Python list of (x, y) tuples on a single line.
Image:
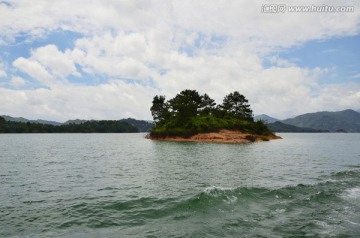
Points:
[(22, 45), (67, 60), (340, 54)]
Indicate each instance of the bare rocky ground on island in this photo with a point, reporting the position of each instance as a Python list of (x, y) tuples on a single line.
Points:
[(223, 136)]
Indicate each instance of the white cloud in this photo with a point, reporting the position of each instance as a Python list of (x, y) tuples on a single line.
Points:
[(35, 70), (238, 20), (123, 55), (39, 17), (47, 65), (245, 23), (276, 60), (58, 63), (17, 81), (3, 74), (114, 100), (337, 97), (167, 46)]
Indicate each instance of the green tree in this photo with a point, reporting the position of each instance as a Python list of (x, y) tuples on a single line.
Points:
[(2, 124), (236, 105), (207, 105), (2, 121), (185, 105), (160, 109)]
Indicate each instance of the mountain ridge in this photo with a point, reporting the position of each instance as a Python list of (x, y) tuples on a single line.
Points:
[(265, 118), (142, 125), (339, 121), (22, 119), (279, 126)]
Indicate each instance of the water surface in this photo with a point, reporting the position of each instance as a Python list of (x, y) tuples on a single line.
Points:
[(123, 185)]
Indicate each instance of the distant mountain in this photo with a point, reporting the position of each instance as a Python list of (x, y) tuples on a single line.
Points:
[(342, 121), (282, 127), (39, 121), (267, 119), (76, 122), (143, 126), (17, 119), (86, 127)]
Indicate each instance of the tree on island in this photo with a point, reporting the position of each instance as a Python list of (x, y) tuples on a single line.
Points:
[(185, 106), (160, 109), (189, 113), (236, 105), (207, 105)]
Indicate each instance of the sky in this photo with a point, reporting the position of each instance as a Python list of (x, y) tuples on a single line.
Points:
[(62, 60)]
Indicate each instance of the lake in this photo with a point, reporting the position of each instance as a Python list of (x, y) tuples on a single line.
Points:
[(123, 185)]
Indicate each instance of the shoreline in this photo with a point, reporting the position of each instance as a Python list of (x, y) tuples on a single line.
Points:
[(223, 136)]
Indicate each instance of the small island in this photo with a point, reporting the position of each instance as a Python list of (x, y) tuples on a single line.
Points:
[(190, 116)]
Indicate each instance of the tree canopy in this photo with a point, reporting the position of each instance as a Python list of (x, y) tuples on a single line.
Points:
[(236, 105), (85, 127), (189, 113)]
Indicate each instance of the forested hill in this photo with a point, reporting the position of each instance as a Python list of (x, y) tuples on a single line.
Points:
[(341, 121), (143, 126), (265, 118), (282, 127), (39, 121), (85, 127)]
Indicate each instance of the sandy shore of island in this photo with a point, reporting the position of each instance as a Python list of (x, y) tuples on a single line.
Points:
[(223, 136)]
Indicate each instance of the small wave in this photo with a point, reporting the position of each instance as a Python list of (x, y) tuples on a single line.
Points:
[(227, 198), (227, 193), (352, 193), (107, 188), (353, 166), (311, 208), (215, 189), (319, 193), (232, 194), (352, 174)]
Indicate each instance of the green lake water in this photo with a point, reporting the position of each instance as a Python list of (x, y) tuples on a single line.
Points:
[(123, 185)]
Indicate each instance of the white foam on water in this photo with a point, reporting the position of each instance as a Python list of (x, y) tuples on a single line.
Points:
[(352, 194), (231, 199), (218, 191), (212, 189), (279, 211)]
